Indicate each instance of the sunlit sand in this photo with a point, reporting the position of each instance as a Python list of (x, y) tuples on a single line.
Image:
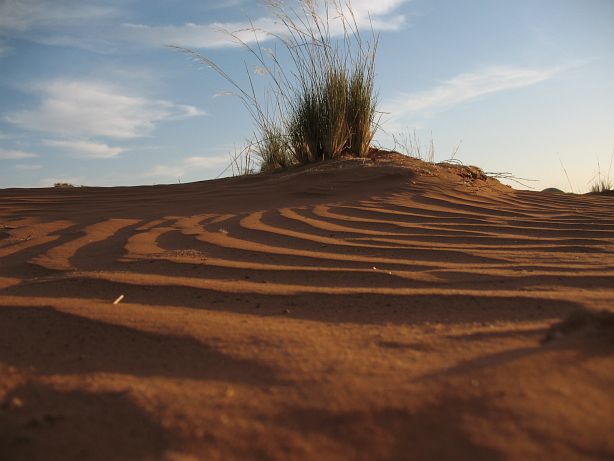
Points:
[(381, 308)]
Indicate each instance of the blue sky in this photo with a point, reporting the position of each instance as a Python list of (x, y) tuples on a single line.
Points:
[(90, 94)]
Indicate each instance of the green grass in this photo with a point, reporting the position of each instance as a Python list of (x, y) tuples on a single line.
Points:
[(323, 104)]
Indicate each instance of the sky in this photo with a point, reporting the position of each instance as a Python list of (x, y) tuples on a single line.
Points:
[(91, 94)]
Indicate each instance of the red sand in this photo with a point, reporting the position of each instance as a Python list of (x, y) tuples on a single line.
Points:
[(356, 310)]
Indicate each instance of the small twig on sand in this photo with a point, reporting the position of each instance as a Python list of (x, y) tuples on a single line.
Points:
[(510, 177), (119, 299)]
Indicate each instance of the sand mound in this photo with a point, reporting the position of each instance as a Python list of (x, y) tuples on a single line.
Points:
[(379, 308)]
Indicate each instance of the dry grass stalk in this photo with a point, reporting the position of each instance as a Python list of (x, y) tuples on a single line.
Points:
[(324, 104)]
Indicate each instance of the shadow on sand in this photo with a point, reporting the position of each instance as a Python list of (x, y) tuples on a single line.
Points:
[(53, 342), (63, 425)]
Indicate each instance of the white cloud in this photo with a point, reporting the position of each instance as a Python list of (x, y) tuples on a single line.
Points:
[(379, 13), (87, 109), (24, 15), (27, 167), (95, 25), (466, 87), (190, 35), (15, 154), (212, 163), (367, 13), (103, 43), (86, 24), (166, 172), (221, 4), (86, 149)]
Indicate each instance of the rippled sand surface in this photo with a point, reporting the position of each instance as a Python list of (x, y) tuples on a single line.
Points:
[(364, 310)]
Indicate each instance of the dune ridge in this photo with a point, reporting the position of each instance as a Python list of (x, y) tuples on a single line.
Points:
[(361, 309)]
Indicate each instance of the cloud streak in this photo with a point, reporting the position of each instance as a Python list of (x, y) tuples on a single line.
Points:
[(92, 109), (104, 26), (26, 15), (27, 167), (212, 163), (367, 13), (467, 87), (86, 149), (15, 154), (85, 24)]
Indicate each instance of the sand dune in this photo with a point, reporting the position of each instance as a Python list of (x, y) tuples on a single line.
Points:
[(360, 309)]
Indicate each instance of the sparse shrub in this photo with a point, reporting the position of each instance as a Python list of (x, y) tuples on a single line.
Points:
[(324, 104), (62, 185), (242, 162), (603, 184), (409, 143)]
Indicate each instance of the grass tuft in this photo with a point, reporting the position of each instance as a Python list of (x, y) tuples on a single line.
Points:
[(324, 103), (603, 184)]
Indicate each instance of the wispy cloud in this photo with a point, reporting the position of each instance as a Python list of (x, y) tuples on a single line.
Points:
[(222, 4), (27, 166), (5, 136), (191, 35), (25, 15), (104, 26), (188, 165), (367, 13), (15, 154), (214, 161), (86, 149), (165, 172), (90, 109), (467, 87)]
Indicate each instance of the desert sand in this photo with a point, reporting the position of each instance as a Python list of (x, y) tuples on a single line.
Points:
[(359, 309)]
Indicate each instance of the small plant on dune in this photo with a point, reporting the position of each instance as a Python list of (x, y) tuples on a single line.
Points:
[(242, 162), (324, 104), (410, 144), (603, 184)]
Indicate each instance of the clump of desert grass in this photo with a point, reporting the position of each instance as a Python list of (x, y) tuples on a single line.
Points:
[(324, 103), (603, 184), (242, 162), (410, 143)]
